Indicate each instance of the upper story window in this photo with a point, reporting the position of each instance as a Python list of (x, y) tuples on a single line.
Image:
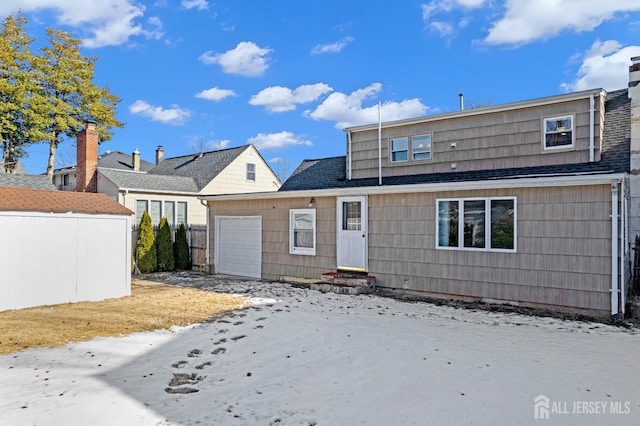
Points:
[(399, 149), (558, 132), (251, 172), (421, 147)]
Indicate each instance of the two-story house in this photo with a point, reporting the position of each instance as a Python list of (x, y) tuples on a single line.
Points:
[(524, 203), (169, 188)]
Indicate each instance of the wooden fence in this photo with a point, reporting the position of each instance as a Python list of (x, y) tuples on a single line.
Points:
[(196, 237)]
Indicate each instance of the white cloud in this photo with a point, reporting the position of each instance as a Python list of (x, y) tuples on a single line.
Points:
[(438, 7), (275, 141), (215, 94), (347, 110), (218, 145), (109, 22), (442, 28), (198, 4), (174, 116), (332, 47), (281, 99), (526, 21), (247, 59), (605, 65)]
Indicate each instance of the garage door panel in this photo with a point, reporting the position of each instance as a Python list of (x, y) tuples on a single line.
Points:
[(238, 245)]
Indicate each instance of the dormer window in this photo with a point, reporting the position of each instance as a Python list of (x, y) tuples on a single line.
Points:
[(399, 149), (558, 132), (421, 147)]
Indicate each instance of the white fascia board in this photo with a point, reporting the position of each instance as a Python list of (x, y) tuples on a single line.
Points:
[(550, 100), (154, 191), (524, 182)]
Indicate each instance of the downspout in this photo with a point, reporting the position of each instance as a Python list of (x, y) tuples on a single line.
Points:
[(206, 250), (623, 247), (379, 144), (592, 144), (349, 148), (615, 313)]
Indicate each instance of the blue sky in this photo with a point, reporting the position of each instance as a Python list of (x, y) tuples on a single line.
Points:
[(288, 76)]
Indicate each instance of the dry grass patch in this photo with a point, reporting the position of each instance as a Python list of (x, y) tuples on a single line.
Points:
[(151, 306)]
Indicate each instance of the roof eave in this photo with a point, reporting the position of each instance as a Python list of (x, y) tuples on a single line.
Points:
[(515, 182)]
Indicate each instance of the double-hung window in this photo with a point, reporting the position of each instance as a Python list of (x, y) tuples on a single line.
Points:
[(558, 132), (251, 172), (399, 149), (141, 207), (477, 224), (421, 147), (302, 231)]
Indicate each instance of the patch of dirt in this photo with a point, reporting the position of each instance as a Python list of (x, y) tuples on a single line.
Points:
[(151, 306)]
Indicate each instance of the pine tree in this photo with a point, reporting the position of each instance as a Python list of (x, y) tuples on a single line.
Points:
[(181, 249), (145, 246), (72, 95), (164, 246), (22, 102)]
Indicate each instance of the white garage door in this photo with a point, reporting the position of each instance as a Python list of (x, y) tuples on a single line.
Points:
[(238, 245)]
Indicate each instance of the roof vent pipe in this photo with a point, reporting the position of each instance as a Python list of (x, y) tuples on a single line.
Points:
[(461, 96)]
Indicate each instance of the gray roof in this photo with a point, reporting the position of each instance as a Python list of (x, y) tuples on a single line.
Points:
[(331, 172), (148, 182), (202, 168), (115, 160), (26, 181), (121, 161)]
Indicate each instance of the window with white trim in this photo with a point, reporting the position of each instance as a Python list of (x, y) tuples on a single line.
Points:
[(174, 211), (155, 211), (251, 172), (399, 149), (476, 224), (558, 132), (421, 147), (141, 207), (181, 213), (302, 231), (170, 212)]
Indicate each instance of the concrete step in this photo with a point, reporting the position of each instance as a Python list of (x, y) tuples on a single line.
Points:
[(345, 283)]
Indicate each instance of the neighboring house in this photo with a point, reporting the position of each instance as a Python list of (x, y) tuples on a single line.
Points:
[(64, 178), (62, 247), (26, 181), (171, 187), (525, 203)]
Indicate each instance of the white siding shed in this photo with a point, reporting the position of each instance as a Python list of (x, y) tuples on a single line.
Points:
[(58, 247)]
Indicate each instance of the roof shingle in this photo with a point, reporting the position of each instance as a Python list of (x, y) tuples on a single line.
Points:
[(202, 168), (52, 201)]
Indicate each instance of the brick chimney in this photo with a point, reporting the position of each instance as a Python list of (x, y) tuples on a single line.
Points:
[(87, 159), (634, 96), (159, 154), (135, 159)]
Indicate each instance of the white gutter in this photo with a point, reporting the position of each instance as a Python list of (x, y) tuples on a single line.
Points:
[(623, 245), (154, 191), (549, 181), (379, 144), (592, 145), (206, 251), (349, 148), (614, 248)]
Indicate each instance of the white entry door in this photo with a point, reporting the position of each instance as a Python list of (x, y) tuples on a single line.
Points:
[(238, 245), (352, 237)]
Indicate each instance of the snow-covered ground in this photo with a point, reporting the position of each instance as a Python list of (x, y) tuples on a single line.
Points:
[(301, 357)]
